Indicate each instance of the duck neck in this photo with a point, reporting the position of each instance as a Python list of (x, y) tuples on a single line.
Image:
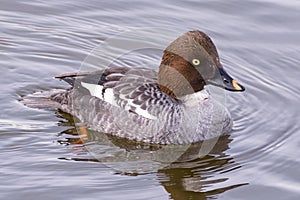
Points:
[(179, 81)]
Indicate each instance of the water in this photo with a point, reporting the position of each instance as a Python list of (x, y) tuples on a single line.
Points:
[(258, 42)]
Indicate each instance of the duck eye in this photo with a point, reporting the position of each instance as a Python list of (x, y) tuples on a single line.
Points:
[(196, 62)]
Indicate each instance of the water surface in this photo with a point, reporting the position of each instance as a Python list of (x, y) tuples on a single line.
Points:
[(258, 43)]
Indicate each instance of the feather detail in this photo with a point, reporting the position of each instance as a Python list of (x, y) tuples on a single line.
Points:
[(108, 96)]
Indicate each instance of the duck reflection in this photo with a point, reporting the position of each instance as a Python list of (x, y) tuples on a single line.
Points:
[(202, 178), (198, 172)]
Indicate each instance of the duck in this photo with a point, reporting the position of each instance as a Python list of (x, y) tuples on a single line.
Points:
[(171, 105)]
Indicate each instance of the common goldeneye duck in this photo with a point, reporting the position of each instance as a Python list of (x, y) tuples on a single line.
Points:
[(168, 107)]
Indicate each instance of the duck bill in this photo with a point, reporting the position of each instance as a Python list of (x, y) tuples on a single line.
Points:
[(227, 82)]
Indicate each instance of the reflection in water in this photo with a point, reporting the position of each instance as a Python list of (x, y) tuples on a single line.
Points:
[(191, 176), (193, 180)]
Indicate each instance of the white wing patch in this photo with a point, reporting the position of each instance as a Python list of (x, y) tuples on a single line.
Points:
[(95, 90), (108, 96)]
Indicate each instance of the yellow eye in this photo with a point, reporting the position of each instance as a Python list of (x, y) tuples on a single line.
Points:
[(196, 62)]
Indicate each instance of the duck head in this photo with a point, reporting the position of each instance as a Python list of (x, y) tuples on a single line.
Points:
[(191, 62)]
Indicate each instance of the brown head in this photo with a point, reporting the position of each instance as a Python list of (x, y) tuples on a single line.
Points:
[(189, 63)]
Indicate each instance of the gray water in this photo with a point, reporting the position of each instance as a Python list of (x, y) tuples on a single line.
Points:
[(258, 43)]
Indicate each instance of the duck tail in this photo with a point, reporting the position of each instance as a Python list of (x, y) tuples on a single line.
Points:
[(43, 100), (70, 78)]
